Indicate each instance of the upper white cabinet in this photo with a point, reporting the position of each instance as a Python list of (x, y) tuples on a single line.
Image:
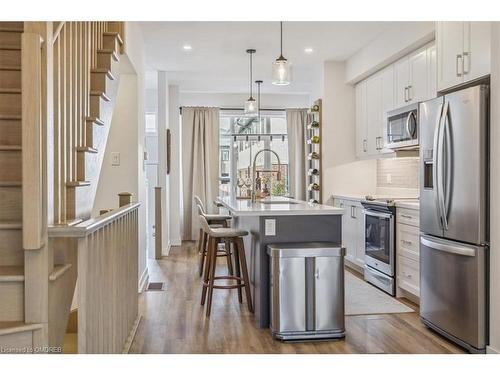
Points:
[(409, 80), (361, 122), (463, 52), (411, 77)]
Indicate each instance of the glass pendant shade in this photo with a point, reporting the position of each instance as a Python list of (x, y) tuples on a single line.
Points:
[(282, 74), (251, 107)]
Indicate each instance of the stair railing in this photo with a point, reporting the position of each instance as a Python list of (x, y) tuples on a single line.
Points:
[(75, 47), (107, 278)]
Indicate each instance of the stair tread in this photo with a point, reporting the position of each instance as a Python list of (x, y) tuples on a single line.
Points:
[(10, 148), (104, 71), (10, 91), (10, 117), (10, 183), (59, 270), (87, 149), (115, 34), (11, 225), (11, 273), (96, 120), (102, 94), (10, 67), (10, 47), (114, 55), (77, 183), (7, 328)]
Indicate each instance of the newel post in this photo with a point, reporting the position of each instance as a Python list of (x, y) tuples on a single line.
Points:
[(124, 198)]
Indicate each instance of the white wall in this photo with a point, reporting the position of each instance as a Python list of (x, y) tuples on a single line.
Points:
[(127, 137), (175, 197), (163, 178), (387, 48), (342, 173), (495, 189), (236, 100)]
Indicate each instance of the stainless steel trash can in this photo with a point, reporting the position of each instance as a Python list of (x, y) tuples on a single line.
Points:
[(307, 290)]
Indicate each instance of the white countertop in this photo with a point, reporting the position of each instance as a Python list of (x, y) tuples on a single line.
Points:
[(276, 206), (411, 203)]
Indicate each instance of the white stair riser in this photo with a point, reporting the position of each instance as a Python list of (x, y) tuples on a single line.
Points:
[(10, 103), (86, 161), (10, 57), (10, 79), (11, 206), (10, 38), (11, 247), (10, 166), (12, 297), (18, 342), (10, 132)]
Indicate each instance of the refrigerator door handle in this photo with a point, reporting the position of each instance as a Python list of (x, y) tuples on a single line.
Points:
[(440, 168), (454, 249), (435, 162), (448, 166)]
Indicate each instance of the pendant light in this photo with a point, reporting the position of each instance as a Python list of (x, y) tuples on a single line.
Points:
[(281, 67), (251, 104)]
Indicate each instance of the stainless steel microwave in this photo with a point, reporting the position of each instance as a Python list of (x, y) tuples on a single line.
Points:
[(402, 128)]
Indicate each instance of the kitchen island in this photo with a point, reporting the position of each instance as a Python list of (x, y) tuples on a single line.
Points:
[(278, 220)]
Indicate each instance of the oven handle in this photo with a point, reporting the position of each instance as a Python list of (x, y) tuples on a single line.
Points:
[(377, 214)]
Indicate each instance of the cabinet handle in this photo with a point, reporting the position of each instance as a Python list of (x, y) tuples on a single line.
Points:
[(458, 64), (407, 216), (464, 70), (406, 242), (410, 98), (353, 214), (406, 94), (364, 145)]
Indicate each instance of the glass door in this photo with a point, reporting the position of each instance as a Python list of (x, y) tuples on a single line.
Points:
[(379, 241)]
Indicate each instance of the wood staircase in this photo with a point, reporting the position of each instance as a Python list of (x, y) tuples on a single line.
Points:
[(81, 127)]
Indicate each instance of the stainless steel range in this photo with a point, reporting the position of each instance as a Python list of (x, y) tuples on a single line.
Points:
[(379, 243)]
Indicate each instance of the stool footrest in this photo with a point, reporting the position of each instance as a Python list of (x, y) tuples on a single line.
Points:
[(229, 277)]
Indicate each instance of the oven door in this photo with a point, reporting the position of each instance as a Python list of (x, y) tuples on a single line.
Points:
[(379, 241)]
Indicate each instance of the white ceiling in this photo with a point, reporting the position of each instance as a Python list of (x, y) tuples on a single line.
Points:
[(218, 62)]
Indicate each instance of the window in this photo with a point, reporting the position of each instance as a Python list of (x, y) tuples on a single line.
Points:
[(151, 122), (240, 140)]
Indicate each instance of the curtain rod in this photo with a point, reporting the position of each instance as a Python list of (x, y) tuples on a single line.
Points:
[(242, 109)]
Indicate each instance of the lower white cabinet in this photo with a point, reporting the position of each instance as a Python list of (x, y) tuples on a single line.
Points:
[(408, 251), (353, 231)]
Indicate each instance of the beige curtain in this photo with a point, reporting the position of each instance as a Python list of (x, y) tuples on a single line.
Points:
[(296, 122), (200, 164)]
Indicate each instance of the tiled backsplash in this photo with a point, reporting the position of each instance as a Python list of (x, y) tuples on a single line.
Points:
[(398, 173)]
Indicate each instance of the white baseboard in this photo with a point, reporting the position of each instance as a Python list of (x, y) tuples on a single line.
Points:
[(176, 242), (143, 281), (491, 350)]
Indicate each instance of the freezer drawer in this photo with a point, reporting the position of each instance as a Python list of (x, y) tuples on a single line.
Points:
[(453, 290), (307, 291)]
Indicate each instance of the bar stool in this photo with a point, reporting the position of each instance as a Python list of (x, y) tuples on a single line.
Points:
[(229, 236), (225, 251)]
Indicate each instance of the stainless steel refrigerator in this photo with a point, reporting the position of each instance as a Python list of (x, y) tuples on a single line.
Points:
[(454, 215)]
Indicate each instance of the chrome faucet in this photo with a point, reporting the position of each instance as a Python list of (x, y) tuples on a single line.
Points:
[(254, 184)]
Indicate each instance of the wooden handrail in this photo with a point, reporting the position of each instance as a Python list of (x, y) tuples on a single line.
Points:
[(32, 154), (57, 30), (87, 227)]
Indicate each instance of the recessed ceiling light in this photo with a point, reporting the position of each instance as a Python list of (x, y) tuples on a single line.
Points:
[(308, 50), (187, 47)]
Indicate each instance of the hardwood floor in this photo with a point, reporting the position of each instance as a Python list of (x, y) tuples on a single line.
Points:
[(174, 321)]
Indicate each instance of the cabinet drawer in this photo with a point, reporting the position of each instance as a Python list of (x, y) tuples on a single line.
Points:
[(407, 216), (407, 237), (409, 275)]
